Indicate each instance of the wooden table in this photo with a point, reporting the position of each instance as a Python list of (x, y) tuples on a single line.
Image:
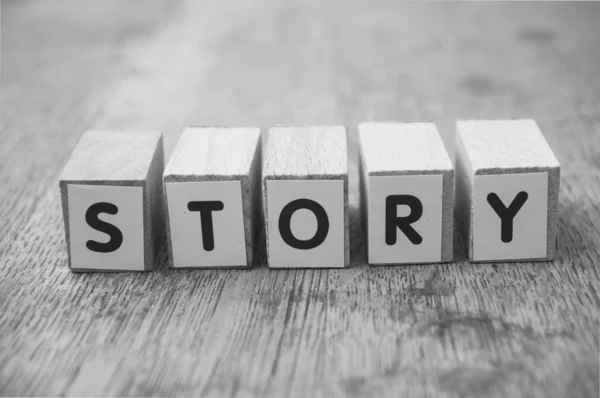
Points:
[(456, 329)]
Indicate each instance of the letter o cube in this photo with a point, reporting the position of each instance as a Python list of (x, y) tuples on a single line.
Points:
[(305, 194), (112, 201), (507, 190)]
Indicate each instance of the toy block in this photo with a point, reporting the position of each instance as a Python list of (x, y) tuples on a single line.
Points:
[(212, 186), (111, 200), (507, 190), (305, 196), (407, 189)]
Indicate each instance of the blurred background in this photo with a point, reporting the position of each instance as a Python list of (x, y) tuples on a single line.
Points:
[(443, 330)]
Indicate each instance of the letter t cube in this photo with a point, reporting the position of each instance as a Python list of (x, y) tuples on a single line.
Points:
[(212, 187)]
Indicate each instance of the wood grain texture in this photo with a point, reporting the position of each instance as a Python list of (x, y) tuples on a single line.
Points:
[(450, 330), (315, 152), (119, 158), (504, 147), (307, 153), (388, 149), (221, 154)]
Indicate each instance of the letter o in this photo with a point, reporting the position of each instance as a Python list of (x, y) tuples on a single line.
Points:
[(285, 220)]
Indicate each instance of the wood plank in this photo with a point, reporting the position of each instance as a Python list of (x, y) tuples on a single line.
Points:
[(444, 330)]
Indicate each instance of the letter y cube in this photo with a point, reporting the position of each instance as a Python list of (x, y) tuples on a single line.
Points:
[(507, 190)]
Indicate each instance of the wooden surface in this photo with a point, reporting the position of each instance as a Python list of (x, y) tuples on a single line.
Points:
[(458, 329), (393, 149)]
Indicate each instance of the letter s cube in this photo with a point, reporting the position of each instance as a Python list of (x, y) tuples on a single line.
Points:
[(112, 201), (507, 190), (305, 193)]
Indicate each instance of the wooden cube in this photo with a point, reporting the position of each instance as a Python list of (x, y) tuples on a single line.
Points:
[(507, 190), (407, 189), (112, 201), (212, 185), (305, 196)]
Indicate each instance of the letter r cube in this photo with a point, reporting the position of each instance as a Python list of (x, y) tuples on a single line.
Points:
[(407, 190), (507, 190)]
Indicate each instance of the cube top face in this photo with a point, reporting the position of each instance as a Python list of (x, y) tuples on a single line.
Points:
[(112, 156), (409, 147), (493, 145), (207, 153), (314, 152)]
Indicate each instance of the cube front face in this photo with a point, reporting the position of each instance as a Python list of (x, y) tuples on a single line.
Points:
[(106, 227), (305, 223), (405, 219), (509, 216), (206, 223)]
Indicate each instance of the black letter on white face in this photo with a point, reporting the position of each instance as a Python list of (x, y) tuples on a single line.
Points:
[(116, 237), (206, 223), (507, 214), (392, 221), (285, 219)]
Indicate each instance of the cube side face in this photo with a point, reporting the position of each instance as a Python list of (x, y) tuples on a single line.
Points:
[(208, 222), (512, 216), (410, 218), (154, 220), (306, 222), (255, 234), (364, 196), (553, 197), (448, 216), (112, 156), (105, 226), (463, 180)]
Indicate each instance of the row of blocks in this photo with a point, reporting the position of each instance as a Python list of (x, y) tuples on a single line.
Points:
[(219, 191)]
